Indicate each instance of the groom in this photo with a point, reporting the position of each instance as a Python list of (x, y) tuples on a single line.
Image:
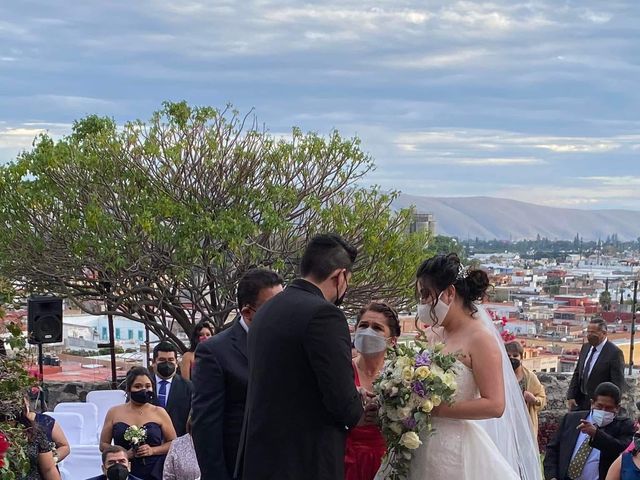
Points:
[(301, 397)]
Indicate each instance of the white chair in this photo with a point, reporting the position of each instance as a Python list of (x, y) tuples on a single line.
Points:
[(84, 461), (89, 413), (104, 400), (72, 425)]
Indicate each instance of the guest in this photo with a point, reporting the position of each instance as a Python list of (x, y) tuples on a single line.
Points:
[(377, 327), (588, 442), (115, 465), (599, 361), (173, 393), (532, 390), (42, 465), (181, 462), (146, 459), (201, 332), (53, 432), (301, 397), (627, 466), (220, 380)]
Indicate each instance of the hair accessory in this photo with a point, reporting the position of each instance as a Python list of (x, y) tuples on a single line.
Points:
[(462, 272)]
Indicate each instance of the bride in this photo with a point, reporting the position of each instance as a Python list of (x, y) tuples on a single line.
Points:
[(486, 433)]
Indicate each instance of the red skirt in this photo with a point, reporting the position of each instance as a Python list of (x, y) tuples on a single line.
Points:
[(363, 453)]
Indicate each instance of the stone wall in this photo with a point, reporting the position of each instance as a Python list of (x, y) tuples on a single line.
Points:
[(71, 392), (556, 386)]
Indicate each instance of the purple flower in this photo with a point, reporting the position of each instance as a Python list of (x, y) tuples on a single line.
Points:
[(418, 388), (410, 423), (423, 360)]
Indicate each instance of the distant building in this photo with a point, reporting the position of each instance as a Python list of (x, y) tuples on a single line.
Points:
[(422, 222)]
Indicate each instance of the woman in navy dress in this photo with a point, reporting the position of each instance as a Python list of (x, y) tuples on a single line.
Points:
[(627, 465), (146, 459)]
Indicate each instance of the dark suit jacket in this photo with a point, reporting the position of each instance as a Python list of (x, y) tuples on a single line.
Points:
[(179, 402), (611, 440), (608, 368), (220, 380), (301, 396)]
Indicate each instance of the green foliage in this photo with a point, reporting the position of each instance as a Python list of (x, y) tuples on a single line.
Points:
[(14, 380), (552, 286), (605, 300), (160, 219)]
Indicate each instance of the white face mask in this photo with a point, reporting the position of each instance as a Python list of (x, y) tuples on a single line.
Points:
[(602, 418), (440, 310), (367, 341)]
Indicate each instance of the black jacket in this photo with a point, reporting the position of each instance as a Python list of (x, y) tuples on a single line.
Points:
[(220, 380), (104, 477), (611, 440), (301, 396), (608, 368), (179, 402)]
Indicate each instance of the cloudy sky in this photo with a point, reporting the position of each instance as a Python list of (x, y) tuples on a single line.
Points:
[(533, 100)]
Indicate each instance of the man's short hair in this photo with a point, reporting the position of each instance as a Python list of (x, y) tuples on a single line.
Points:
[(254, 281), (514, 347), (608, 389), (164, 346), (326, 253), (112, 449), (602, 325)]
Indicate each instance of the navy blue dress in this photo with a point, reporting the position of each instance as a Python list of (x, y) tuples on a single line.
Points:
[(629, 471), (145, 468), (46, 423)]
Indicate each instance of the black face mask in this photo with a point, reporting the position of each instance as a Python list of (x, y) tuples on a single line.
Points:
[(166, 369), (117, 471), (340, 298), (515, 363), (141, 396)]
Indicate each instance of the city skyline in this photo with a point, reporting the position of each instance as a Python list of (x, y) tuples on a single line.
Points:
[(532, 101)]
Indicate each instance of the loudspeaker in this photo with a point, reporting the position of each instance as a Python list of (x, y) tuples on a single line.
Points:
[(44, 320)]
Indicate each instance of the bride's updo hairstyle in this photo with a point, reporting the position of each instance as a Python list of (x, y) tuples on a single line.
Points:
[(438, 272)]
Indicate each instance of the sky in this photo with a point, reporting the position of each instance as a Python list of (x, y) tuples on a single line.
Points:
[(532, 100)]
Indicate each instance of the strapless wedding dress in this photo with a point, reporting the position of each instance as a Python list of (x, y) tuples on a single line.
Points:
[(459, 449)]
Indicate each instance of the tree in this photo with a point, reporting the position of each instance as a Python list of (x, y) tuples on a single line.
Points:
[(552, 286), (605, 300), (159, 220), (443, 245)]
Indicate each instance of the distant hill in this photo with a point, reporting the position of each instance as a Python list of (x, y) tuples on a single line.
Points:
[(497, 218)]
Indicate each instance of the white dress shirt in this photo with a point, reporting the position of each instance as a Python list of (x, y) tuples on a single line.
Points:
[(591, 470), (244, 324), (168, 387), (596, 354)]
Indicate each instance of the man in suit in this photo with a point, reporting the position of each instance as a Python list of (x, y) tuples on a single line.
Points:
[(599, 361), (588, 442), (173, 392), (220, 380), (115, 465), (301, 398)]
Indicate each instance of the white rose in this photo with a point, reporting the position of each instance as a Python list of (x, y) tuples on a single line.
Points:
[(395, 428), (410, 440), (394, 391)]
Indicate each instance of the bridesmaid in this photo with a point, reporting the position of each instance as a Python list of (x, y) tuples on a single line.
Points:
[(201, 332), (147, 459)]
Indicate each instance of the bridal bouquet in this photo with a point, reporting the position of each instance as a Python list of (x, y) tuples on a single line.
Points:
[(135, 435), (414, 381)]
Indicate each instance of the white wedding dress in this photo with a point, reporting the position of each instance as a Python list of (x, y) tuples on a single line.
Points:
[(460, 449), (495, 449)]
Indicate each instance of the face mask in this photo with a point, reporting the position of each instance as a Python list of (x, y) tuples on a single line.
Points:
[(636, 442), (141, 396), (515, 363), (166, 369), (424, 312), (340, 298), (368, 341), (594, 340), (117, 471), (602, 418)]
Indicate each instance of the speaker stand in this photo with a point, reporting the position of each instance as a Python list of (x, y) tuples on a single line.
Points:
[(40, 362)]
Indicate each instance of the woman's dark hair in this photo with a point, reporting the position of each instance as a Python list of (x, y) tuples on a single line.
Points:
[(436, 273), (193, 339), (514, 347), (136, 372), (389, 313)]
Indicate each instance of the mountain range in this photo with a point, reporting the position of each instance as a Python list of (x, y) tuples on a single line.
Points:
[(491, 218)]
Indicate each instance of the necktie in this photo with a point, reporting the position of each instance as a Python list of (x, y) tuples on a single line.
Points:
[(162, 393), (587, 367), (579, 460)]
